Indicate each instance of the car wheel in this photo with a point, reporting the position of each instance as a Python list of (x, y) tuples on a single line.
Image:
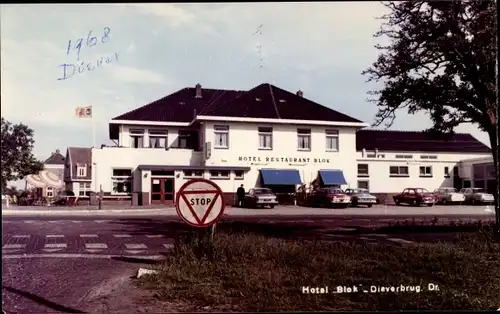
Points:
[(397, 202), (473, 202), (444, 202), (271, 206), (430, 205), (370, 205)]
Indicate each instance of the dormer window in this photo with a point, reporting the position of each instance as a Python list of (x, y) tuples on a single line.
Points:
[(81, 170)]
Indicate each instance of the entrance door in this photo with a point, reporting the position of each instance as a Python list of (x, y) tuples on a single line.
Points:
[(162, 191)]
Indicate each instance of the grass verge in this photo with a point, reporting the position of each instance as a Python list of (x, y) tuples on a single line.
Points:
[(248, 272)]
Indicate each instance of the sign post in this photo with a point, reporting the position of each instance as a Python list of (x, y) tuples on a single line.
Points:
[(199, 203)]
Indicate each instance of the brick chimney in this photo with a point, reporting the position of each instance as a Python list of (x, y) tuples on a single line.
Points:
[(300, 93), (58, 151), (198, 90)]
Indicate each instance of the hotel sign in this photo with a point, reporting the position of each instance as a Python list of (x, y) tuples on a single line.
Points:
[(285, 160)]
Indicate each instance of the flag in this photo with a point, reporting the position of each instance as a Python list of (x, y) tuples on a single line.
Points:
[(84, 112)]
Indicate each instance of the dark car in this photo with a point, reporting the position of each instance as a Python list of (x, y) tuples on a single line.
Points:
[(260, 197), (361, 197), (415, 197), (329, 197)]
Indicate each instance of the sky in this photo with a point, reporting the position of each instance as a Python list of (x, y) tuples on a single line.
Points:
[(151, 50)]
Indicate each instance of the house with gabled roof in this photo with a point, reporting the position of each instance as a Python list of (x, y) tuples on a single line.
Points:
[(54, 164), (265, 136), (78, 171)]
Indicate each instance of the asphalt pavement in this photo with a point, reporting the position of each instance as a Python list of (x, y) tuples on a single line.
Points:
[(51, 263)]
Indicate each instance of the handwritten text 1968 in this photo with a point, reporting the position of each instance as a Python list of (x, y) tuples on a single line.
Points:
[(91, 41)]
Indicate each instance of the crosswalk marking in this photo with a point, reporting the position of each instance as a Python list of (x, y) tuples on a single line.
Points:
[(122, 235), (14, 246), (101, 221), (21, 236), (133, 246), (402, 241), (89, 236), (96, 246), (154, 236), (55, 236), (56, 246)]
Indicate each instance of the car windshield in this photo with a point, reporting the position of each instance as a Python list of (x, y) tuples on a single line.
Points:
[(420, 191), (263, 191), (334, 191), (360, 191), (447, 190), (478, 190)]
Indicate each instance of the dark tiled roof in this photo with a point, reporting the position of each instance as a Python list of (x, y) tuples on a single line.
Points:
[(411, 141), (263, 101), (55, 159), (79, 156)]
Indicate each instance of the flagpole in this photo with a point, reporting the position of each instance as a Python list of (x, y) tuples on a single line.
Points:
[(93, 130)]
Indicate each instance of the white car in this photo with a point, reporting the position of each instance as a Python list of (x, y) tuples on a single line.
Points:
[(477, 196), (449, 196)]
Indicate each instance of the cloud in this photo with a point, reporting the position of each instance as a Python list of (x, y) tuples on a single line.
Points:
[(170, 13), (128, 74)]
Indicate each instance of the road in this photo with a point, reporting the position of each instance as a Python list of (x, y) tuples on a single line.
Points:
[(52, 264)]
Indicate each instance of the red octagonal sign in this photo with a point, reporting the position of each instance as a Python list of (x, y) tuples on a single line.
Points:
[(199, 203)]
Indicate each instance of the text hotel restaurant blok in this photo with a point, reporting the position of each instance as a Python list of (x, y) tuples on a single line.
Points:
[(264, 137)]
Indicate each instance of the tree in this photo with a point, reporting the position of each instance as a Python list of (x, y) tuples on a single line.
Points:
[(441, 59), (17, 157)]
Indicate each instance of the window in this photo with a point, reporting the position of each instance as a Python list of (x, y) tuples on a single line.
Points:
[(238, 174), (363, 170), (84, 189), (221, 136), (122, 181), (398, 171), (304, 139), (162, 173), (183, 139), (136, 138), (425, 171), (265, 138), (81, 171), (193, 173), (447, 172), (220, 174), (428, 157), (363, 185), (158, 138), (49, 192), (404, 156), (332, 140)]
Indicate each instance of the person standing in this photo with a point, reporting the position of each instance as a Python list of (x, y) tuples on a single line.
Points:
[(241, 195)]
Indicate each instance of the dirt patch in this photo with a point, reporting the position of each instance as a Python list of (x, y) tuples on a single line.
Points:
[(121, 295)]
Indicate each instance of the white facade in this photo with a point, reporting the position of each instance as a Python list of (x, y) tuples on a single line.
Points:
[(57, 170), (245, 149), (415, 169)]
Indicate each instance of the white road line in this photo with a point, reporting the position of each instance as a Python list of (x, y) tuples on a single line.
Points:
[(133, 246), (168, 245), (88, 256), (21, 236), (14, 246), (96, 246), (122, 235), (89, 236), (29, 221), (101, 221), (56, 245), (53, 221), (154, 235), (76, 221), (55, 236), (402, 241)]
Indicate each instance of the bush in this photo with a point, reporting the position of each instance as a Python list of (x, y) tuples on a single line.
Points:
[(246, 272)]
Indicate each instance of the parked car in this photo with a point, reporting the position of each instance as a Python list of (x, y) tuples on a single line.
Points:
[(329, 197), (449, 196), (260, 197), (477, 196), (415, 197), (361, 197)]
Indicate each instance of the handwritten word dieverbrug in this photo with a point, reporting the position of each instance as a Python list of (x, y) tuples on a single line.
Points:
[(70, 69), (90, 42)]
